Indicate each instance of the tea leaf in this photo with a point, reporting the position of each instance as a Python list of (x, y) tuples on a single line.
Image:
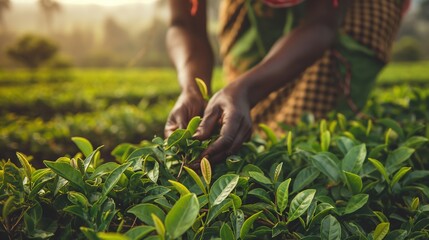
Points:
[(304, 178), (415, 204), (270, 133), (8, 207), (325, 141), (277, 171), (415, 142), (327, 166), (180, 188), (178, 137), (218, 209), (226, 232), (248, 224), (380, 168), (111, 236), (381, 231), (182, 215), (84, 145), (159, 226), (206, 170), (323, 126), (397, 157), (345, 144), (113, 178), (356, 202), (27, 167), (289, 143), (330, 228), (399, 175), (193, 124), (196, 178), (203, 88), (282, 195), (390, 123), (222, 188), (300, 203), (90, 158), (381, 216), (260, 177), (354, 182), (342, 121), (369, 127), (89, 233), (67, 172), (144, 212), (354, 159)]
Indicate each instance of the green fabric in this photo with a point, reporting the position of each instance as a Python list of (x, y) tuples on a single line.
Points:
[(364, 70)]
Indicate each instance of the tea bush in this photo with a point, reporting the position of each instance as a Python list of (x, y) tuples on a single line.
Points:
[(336, 179)]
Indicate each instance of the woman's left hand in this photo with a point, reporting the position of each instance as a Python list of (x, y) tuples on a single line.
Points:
[(229, 108)]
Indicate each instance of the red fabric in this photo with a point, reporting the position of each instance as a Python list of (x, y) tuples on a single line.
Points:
[(290, 3), (282, 3), (194, 7), (405, 6)]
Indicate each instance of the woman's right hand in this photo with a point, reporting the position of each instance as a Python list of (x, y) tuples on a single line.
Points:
[(187, 106)]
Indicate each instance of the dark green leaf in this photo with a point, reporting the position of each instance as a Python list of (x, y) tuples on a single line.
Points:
[(260, 177), (113, 178), (330, 228), (222, 188), (282, 195), (67, 172), (182, 215), (325, 164), (305, 177), (300, 203), (144, 211), (354, 182), (390, 123), (248, 224), (226, 232), (356, 202), (397, 157), (354, 159)]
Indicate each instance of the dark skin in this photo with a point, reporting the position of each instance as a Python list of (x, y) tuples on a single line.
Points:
[(230, 108)]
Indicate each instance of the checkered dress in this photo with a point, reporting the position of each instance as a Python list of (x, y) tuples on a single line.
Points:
[(371, 23)]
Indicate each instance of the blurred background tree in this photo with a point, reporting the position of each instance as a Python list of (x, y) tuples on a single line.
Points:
[(4, 6), (49, 9), (32, 51)]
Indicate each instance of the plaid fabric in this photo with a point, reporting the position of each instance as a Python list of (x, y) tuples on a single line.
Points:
[(374, 24), (315, 92), (371, 23)]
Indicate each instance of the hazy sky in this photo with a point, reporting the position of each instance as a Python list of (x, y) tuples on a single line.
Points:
[(99, 2)]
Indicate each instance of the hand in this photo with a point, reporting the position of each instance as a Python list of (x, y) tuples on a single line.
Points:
[(230, 109), (187, 106)]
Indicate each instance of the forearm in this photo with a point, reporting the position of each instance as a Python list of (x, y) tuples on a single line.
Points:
[(191, 55), (288, 58)]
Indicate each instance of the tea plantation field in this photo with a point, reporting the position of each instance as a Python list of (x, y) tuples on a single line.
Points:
[(39, 112), (339, 178)]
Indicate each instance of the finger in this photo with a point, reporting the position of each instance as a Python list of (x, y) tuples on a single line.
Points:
[(169, 130), (228, 132), (243, 135), (208, 124), (170, 127), (218, 158), (182, 121)]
